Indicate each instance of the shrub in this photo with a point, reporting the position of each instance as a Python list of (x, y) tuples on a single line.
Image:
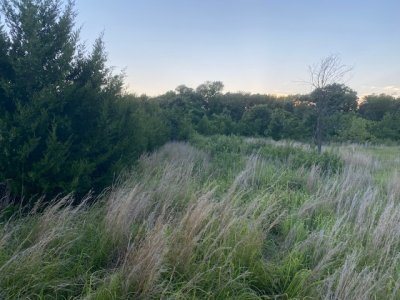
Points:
[(297, 157)]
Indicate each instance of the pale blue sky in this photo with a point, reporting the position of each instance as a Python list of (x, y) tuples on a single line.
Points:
[(258, 46)]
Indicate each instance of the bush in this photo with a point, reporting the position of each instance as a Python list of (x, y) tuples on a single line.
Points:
[(218, 144), (297, 157)]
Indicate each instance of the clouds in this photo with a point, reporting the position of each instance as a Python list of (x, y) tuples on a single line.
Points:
[(392, 90)]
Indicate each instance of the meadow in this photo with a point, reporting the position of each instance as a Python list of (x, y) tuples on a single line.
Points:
[(218, 218)]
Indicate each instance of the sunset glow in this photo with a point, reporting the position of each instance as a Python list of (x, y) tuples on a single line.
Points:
[(254, 46)]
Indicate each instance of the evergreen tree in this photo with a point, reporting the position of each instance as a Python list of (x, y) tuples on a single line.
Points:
[(63, 127)]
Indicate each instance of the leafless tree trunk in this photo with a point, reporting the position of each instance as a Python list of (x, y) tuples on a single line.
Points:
[(328, 71)]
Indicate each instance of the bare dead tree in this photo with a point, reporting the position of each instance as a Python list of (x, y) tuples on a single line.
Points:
[(328, 71)]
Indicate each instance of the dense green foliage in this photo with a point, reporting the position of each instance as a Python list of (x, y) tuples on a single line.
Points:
[(294, 156), (291, 117), (65, 124)]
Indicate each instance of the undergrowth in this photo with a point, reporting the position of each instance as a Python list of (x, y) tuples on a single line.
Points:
[(220, 218)]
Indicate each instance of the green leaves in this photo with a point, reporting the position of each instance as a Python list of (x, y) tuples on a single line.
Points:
[(64, 124)]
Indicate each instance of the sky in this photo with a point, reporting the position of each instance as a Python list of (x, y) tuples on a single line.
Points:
[(256, 46)]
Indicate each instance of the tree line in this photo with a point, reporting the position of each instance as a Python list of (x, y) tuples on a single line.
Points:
[(346, 118), (66, 124)]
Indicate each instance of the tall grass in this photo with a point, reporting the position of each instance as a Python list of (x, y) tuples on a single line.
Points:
[(227, 218)]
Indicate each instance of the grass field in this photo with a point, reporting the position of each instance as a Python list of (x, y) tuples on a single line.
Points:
[(219, 218)]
